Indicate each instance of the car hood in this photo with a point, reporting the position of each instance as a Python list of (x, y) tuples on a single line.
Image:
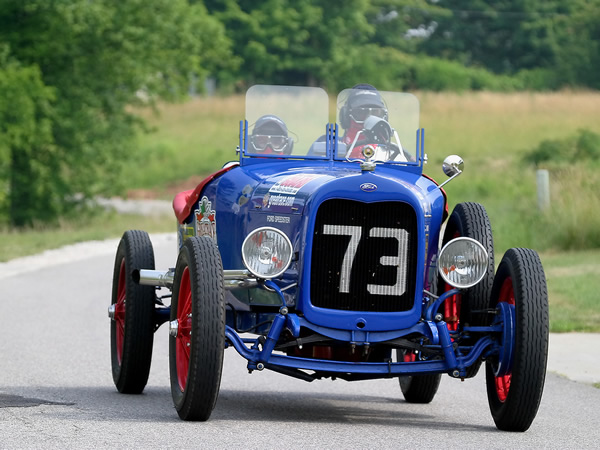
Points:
[(289, 192)]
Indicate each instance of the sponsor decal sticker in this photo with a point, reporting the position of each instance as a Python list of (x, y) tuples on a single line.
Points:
[(279, 200), (368, 187), (278, 219), (283, 192), (292, 184), (206, 223)]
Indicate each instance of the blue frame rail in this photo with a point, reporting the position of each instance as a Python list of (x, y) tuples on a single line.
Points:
[(261, 354)]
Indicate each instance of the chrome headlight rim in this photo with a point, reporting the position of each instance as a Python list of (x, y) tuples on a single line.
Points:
[(286, 264), (445, 249)]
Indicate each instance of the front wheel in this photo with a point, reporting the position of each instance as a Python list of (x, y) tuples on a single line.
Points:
[(514, 397), (132, 313), (417, 388), (197, 330)]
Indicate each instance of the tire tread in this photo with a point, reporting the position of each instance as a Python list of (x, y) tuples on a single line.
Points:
[(132, 375), (531, 341)]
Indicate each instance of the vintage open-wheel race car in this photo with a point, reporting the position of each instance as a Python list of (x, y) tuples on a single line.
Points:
[(325, 252)]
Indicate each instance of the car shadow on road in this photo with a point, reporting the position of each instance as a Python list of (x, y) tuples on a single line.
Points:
[(340, 409), (155, 405)]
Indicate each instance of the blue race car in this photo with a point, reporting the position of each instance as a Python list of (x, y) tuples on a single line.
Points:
[(325, 252)]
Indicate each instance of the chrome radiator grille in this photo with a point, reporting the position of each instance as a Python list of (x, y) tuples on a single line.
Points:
[(364, 256)]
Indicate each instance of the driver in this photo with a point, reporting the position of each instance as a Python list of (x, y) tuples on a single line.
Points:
[(362, 102), (270, 137)]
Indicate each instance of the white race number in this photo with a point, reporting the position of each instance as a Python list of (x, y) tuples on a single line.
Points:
[(399, 261), (354, 233)]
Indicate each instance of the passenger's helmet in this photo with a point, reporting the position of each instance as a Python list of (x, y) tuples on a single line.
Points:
[(363, 101), (270, 136)]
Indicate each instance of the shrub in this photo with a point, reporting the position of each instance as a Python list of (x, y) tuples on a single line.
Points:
[(573, 220), (538, 79), (582, 147)]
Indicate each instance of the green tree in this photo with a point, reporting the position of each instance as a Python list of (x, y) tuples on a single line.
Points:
[(97, 58), (401, 24), (290, 42), (556, 41), (25, 125), (502, 36), (578, 57)]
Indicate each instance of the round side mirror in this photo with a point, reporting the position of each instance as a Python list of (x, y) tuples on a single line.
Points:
[(453, 165)]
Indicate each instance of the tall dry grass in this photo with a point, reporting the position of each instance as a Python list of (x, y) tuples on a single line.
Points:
[(492, 132), (498, 125)]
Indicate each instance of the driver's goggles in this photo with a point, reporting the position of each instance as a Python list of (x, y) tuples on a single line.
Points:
[(360, 114), (261, 141)]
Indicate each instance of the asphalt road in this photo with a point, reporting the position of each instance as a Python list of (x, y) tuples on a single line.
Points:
[(56, 389)]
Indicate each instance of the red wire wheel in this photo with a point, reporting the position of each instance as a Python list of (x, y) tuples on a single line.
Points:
[(197, 332), (132, 311), (514, 398), (120, 313), (184, 318)]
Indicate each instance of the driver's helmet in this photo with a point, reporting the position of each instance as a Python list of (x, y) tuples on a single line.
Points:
[(362, 102), (270, 136)]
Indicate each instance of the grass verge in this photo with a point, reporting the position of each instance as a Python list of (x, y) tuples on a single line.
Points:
[(14, 244), (573, 285)]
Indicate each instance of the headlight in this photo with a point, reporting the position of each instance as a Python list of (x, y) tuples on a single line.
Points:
[(267, 252), (462, 262)]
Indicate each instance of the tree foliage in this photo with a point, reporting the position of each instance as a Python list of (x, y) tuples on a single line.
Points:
[(25, 124), (543, 44), (510, 36), (70, 69), (290, 42), (73, 66)]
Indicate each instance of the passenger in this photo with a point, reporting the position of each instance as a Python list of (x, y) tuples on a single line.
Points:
[(270, 137), (362, 102)]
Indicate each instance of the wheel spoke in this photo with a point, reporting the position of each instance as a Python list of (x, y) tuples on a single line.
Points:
[(120, 312), (121, 290), (183, 348), (120, 331), (184, 314)]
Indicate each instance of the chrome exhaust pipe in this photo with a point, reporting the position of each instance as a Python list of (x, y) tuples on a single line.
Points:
[(154, 277), (234, 279), (238, 279)]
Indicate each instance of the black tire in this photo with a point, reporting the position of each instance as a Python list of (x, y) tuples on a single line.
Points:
[(132, 328), (418, 388), (196, 353), (471, 220), (520, 277)]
